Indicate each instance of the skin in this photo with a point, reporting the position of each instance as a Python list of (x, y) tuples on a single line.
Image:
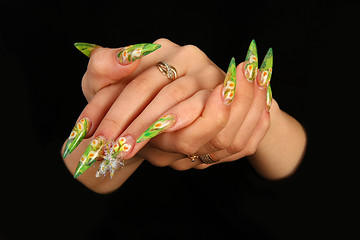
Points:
[(273, 141)]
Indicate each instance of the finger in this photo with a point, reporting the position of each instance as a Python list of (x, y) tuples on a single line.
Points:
[(257, 106), (252, 144), (90, 117), (239, 109), (108, 66)]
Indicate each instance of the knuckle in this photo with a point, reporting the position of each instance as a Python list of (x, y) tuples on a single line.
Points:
[(192, 52), (220, 142), (98, 65), (250, 150), (164, 42), (177, 94), (235, 148), (191, 49), (110, 125), (186, 148)]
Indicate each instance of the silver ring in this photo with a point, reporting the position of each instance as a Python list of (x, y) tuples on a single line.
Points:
[(168, 70)]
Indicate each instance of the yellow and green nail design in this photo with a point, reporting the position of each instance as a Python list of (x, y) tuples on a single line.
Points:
[(228, 91), (85, 48), (251, 62), (131, 53), (92, 152), (159, 126), (266, 70), (77, 135)]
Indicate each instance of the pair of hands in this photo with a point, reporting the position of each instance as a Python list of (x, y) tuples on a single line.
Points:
[(124, 100)]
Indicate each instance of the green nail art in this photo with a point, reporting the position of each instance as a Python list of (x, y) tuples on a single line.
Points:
[(93, 150), (131, 53), (77, 135), (266, 70), (251, 62), (85, 48), (268, 98), (229, 87), (158, 127)]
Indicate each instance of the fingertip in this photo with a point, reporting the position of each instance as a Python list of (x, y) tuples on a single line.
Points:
[(105, 64)]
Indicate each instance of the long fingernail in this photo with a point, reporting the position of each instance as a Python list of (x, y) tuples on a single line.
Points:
[(268, 98), (92, 152), (251, 62), (266, 70), (159, 126), (77, 135), (228, 90), (131, 53), (85, 48), (113, 155)]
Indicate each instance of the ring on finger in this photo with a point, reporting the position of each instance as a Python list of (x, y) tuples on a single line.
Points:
[(192, 157), (207, 159), (168, 70)]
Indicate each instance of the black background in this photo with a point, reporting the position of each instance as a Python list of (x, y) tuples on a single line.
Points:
[(41, 75)]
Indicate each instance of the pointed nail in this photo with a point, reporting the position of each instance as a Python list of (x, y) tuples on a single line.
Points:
[(77, 135), (266, 70), (113, 154), (85, 48), (268, 98), (251, 62), (92, 152), (159, 126), (228, 90), (131, 53)]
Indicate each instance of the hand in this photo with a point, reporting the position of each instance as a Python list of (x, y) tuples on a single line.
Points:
[(216, 129)]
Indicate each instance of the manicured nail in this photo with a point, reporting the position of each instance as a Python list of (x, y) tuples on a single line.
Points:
[(251, 62), (113, 155), (159, 126), (85, 48), (228, 91), (266, 70), (131, 53), (92, 152), (77, 135), (268, 98)]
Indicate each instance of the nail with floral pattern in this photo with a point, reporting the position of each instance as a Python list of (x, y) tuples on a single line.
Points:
[(113, 155), (131, 53), (266, 70), (228, 91), (251, 62), (268, 98), (92, 153), (77, 135), (158, 127), (85, 48)]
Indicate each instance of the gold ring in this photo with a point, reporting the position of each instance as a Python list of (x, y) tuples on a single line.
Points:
[(192, 157), (168, 70), (207, 159)]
